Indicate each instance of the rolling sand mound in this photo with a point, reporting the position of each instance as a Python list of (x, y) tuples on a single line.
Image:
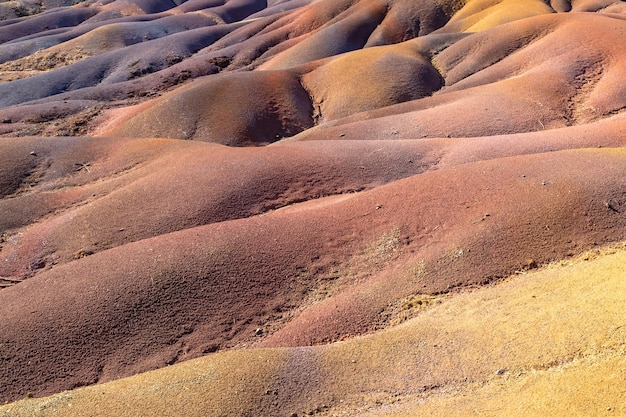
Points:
[(474, 353), (355, 255), (504, 79), (313, 208), (279, 108)]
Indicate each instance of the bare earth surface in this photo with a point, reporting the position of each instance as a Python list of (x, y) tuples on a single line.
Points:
[(330, 207)]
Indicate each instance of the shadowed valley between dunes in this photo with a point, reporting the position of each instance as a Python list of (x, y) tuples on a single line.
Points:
[(356, 207)]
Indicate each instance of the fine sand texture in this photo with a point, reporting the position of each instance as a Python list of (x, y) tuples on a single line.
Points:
[(297, 207), (547, 342)]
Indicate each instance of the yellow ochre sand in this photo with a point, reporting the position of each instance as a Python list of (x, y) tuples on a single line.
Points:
[(548, 342)]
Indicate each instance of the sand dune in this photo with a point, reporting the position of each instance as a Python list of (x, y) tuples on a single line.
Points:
[(422, 235), (473, 353), (355, 207)]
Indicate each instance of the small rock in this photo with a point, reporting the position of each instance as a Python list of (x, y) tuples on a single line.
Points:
[(258, 331), (33, 153), (500, 371), (6, 120)]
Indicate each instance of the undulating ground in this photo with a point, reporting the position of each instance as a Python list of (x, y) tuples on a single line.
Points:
[(330, 207)]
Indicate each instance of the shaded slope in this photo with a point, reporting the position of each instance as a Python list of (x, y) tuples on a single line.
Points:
[(111, 67), (220, 109), (92, 41)]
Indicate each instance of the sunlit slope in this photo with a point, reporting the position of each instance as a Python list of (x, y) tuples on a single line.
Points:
[(543, 342), (65, 61), (309, 273), (535, 74)]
